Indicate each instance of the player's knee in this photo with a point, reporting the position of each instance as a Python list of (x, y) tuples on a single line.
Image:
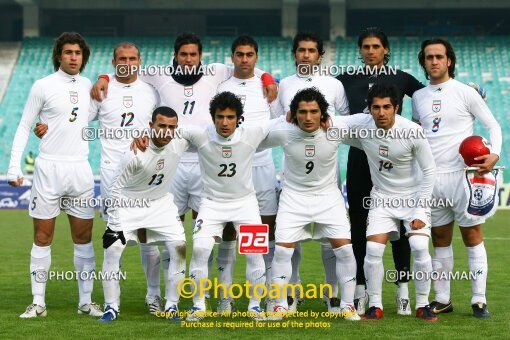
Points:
[(43, 239), (471, 236), (282, 254), (419, 246), (375, 251)]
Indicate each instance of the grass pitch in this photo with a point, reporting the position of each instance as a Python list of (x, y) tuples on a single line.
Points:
[(135, 322)]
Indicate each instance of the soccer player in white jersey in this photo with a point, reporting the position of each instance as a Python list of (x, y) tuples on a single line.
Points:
[(446, 109), (189, 95), (146, 175), (308, 50), (226, 157), (247, 86), (60, 100), (310, 193), (392, 161), (129, 106)]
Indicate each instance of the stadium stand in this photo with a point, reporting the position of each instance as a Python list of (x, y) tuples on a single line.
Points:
[(482, 60)]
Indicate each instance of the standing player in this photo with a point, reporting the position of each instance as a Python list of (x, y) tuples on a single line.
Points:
[(392, 167), (447, 109), (308, 50), (188, 92), (226, 157), (146, 175), (374, 48), (310, 193), (128, 107), (60, 100), (246, 85)]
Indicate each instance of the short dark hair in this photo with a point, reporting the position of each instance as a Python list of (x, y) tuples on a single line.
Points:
[(383, 90), (308, 36), (126, 44), (70, 38), (309, 95), (164, 111), (375, 32), (450, 54), (226, 100), (185, 39), (244, 40)]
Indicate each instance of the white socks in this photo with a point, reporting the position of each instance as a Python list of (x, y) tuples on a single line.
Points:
[(346, 272), (40, 261), (268, 261), (442, 263), (198, 269), (150, 263), (84, 262), (226, 260), (374, 273), (422, 262), (111, 263), (477, 257), (255, 275), (282, 270), (329, 260), (176, 271)]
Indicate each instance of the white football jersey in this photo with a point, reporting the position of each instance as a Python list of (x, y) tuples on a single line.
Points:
[(255, 106), (310, 158), (447, 112), (61, 101), (332, 89), (392, 157), (226, 163), (191, 102), (148, 174), (129, 107)]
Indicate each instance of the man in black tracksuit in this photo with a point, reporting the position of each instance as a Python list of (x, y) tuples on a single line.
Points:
[(375, 52)]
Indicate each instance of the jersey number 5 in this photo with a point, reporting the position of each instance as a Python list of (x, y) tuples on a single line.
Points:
[(156, 179), (224, 168), (74, 114)]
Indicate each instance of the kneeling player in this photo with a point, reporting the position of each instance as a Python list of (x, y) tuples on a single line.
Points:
[(391, 162), (309, 195), (147, 175)]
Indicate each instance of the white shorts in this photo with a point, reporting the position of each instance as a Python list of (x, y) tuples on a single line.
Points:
[(56, 179), (264, 181), (160, 219), (297, 211), (451, 186), (213, 216), (107, 176), (187, 187), (382, 219)]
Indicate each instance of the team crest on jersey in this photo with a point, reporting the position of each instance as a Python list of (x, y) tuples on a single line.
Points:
[(309, 150), (436, 105), (127, 101), (383, 150), (160, 164), (188, 91), (73, 97), (226, 151)]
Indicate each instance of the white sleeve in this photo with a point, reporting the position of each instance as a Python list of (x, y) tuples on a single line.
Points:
[(277, 130), (128, 166), (415, 114), (194, 135), (425, 159), (33, 107), (481, 111), (341, 103), (222, 71), (94, 110), (344, 124)]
